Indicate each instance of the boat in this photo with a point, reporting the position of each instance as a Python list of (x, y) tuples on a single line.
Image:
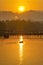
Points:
[(20, 41)]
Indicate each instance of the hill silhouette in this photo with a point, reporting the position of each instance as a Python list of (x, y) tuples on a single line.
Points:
[(28, 15)]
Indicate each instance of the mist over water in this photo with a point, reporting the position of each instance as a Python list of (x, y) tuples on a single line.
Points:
[(30, 52)]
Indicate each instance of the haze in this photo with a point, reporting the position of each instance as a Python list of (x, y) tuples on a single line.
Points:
[(12, 5)]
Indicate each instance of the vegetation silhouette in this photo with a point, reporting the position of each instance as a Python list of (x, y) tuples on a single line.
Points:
[(18, 27)]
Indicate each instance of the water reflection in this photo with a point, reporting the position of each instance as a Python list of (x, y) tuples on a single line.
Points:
[(30, 52), (20, 53), (21, 38)]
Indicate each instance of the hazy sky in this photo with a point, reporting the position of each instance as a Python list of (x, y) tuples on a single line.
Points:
[(12, 5)]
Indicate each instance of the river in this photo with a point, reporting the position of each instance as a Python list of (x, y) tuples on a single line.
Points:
[(30, 52)]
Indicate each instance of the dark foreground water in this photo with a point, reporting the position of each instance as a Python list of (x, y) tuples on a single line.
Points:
[(30, 52)]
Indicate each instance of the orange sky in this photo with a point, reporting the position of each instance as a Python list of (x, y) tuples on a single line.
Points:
[(12, 5)]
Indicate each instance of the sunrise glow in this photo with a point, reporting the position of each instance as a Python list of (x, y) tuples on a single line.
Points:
[(21, 8)]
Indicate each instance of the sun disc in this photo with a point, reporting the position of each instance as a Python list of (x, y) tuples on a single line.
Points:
[(21, 8)]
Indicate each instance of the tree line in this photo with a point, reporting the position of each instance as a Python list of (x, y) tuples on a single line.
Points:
[(15, 27)]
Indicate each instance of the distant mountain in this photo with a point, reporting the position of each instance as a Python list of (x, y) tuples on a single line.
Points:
[(7, 15), (28, 15), (32, 15)]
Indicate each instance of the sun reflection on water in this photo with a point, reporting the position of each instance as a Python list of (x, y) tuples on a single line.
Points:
[(21, 38), (21, 51)]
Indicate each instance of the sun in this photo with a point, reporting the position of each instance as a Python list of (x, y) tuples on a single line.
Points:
[(21, 8)]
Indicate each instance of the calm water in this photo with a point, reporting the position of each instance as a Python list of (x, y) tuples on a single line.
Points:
[(30, 52)]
